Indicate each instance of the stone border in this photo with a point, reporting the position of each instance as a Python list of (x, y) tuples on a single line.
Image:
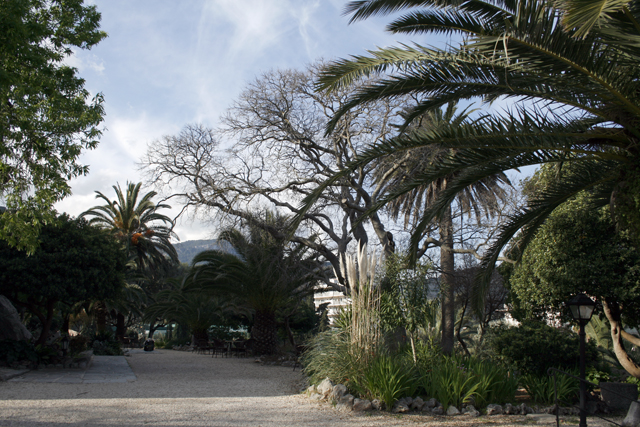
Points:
[(337, 395)]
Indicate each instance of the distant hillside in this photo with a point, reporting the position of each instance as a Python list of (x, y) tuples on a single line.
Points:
[(189, 249)]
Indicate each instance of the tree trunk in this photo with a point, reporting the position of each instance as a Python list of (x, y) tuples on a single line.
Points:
[(613, 313), (120, 326), (46, 323), (447, 287), (264, 332), (101, 316)]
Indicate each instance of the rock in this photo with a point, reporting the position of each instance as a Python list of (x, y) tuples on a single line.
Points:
[(430, 404), (316, 396), (494, 409), (633, 415), (524, 409), (361, 405), (592, 407), (509, 409), (417, 404), (325, 387), (452, 410), (377, 404), (311, 390), (471, 411), (438, 410), (337, 392), (11, 328), (347, 399), (407, 400), (400, 407)]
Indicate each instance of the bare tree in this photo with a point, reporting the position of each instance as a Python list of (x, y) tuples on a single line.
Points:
[(278, 154)]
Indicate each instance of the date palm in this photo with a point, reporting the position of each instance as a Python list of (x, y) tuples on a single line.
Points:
[(265, 275), (137, 223), (569, 69)]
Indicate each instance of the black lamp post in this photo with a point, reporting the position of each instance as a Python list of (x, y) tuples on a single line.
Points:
[(581, 309)]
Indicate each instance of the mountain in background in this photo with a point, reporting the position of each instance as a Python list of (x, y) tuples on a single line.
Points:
[(189, 249)]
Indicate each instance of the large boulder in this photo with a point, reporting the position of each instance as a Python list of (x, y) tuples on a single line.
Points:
[(11, 328)]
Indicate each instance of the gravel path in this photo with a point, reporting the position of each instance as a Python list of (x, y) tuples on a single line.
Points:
[(176, 388)]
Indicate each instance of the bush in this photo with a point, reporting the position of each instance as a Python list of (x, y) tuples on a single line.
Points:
[(389, 378), (541, 388), (534, 347), (15, 351), (78, 344), (455, 380), (106, 344)]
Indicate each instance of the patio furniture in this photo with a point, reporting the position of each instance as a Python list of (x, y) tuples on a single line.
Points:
[(220, 347)]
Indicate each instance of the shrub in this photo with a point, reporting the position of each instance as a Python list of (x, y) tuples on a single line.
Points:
[(389, 378), (541, 388), (106, 344), (534, 347), (455, 380), (14, 351)]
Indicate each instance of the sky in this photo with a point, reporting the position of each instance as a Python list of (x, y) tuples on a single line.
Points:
[(166, 64)]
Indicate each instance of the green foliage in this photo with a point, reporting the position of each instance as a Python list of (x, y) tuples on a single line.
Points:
[(75, 262), (552, 268), (389, 378), (14, 351), (105, 344), (533, 347), (454, 380), (46, 354), (541, 388), (329, 356), (405, 299), (78, 344), (47, 117)]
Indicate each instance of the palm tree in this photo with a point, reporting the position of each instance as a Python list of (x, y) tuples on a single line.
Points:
[(189, 308), (570, 69), (482, 198), (145, 233), (265, 275)]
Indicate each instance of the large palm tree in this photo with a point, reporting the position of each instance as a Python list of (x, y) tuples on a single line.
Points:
[(264, 274), (396, 170), (144, 231), (568, 67)]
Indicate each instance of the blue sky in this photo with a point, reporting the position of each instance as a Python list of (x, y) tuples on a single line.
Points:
[(167, 63)]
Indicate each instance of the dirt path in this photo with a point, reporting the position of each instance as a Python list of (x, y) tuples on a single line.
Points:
[(174, 388)]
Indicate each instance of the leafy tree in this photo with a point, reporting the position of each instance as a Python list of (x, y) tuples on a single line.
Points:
[(46, 115), (570, 71), (75, 262), (578, 249), (265, 275)]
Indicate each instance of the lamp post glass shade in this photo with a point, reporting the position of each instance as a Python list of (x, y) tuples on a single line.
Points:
[(581, 307)]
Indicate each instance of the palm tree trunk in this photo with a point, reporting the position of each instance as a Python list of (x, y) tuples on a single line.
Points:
[(101, 317), (447, 268), (264, 332), (120, 326)]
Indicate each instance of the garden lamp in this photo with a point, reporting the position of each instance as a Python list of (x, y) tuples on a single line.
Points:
[(582, 309)]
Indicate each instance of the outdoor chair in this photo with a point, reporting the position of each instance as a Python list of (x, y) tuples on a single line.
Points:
[(219, 347), (239, 348), (202, 346)]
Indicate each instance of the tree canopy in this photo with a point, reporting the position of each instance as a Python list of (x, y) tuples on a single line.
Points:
[(47, 117), (570, 73), (74, 262)]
